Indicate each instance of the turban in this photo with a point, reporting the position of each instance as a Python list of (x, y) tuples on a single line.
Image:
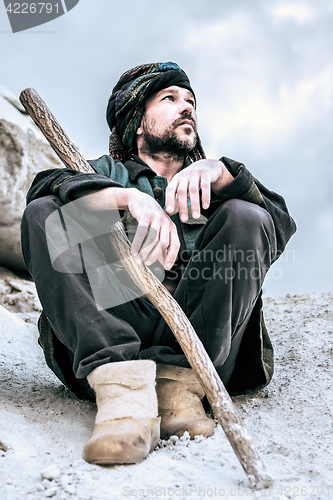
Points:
[(126, 105)]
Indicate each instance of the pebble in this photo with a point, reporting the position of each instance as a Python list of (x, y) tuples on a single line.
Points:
[(46, 483), (64, 480), (70, 489), (183, 444), (199, 439), (51, 492), (185, 437), (50, 473), (63, 496)]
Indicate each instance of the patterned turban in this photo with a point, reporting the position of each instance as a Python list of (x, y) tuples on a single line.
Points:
[(126, 105)]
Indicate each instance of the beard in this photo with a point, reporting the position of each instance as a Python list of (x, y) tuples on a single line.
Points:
[(167, 141)]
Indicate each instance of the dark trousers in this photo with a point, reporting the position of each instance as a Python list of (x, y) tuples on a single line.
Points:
[(218, 291)]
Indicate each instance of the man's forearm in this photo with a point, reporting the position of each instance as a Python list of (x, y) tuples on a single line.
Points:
[(110, 198)]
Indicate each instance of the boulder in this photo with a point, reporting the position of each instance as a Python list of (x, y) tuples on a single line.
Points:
[(19, 296), (23, 153)]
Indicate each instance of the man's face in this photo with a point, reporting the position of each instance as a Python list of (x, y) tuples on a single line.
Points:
[(169, 124)]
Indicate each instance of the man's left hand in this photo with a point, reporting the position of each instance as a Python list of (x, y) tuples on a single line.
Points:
[(202, 175)]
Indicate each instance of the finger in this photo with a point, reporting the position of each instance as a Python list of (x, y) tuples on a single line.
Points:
[(194, 196), (159, 252), (182, 198), (155, 254), (175, 209), (139, 238), (151, 241), (170, 196), (152, 236), (205, 186), (173, 249)]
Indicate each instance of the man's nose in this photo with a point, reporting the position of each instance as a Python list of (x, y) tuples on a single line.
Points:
[(186, 108)]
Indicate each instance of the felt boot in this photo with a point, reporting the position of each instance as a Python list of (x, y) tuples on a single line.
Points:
[(126, 427), (179, 395)]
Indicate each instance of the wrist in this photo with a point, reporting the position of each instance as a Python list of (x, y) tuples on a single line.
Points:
[(122, 197), (223, 180)]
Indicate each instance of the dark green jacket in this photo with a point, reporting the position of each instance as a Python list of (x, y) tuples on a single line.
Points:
[(255, 364)]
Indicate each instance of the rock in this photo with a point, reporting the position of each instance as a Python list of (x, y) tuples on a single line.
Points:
[(199, 438), (50, 473), (70, 489), (51, 492), (46, 483), (19, 296), (23, 153), (65, 480), (185, 437), (3, 447)]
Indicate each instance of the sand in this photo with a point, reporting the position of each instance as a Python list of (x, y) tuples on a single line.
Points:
[(44, 427)]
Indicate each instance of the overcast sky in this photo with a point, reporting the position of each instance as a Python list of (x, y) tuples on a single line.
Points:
[(262, 71)]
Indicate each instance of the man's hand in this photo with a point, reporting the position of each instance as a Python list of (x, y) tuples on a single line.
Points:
[(202, 175), (156, 237)]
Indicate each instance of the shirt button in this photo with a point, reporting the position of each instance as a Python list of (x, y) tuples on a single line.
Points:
[(158, 192)]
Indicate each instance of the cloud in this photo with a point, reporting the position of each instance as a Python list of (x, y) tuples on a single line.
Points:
[(260, 84), (296, 11), (217, 34), (259, 117)]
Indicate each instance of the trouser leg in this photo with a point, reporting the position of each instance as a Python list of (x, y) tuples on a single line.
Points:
[(217, 292), (222, 282), (92, 337)]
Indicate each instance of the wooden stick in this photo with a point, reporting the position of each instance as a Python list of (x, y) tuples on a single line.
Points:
[(219, 399)]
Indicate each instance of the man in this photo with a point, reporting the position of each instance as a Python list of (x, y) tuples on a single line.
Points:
[(215, 229)]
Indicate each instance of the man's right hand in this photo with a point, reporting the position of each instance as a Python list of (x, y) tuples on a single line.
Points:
[(156, 237)]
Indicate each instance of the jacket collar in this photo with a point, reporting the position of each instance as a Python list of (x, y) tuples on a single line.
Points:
[(137, 167)]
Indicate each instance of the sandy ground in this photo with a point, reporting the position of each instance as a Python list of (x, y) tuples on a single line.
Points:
[(44, 427)]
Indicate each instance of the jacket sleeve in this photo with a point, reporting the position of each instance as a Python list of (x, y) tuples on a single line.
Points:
[(246, 187), (67, 184)]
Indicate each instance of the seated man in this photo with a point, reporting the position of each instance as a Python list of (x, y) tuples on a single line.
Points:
[(215, 229)]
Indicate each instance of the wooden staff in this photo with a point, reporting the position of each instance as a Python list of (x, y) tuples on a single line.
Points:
[(218, 397)]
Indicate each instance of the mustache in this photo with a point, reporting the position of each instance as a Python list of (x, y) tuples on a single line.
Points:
[(180, 120)]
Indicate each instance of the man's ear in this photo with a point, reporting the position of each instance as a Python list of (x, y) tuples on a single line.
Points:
[(139, 130), (139, 136)]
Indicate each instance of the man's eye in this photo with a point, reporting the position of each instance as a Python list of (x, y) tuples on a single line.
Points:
[(190, 101), (168, 97)]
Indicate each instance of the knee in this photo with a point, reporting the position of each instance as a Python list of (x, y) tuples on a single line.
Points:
[(33, 223), (38, 210), (245, 214), (246, 218), (248, 225)]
